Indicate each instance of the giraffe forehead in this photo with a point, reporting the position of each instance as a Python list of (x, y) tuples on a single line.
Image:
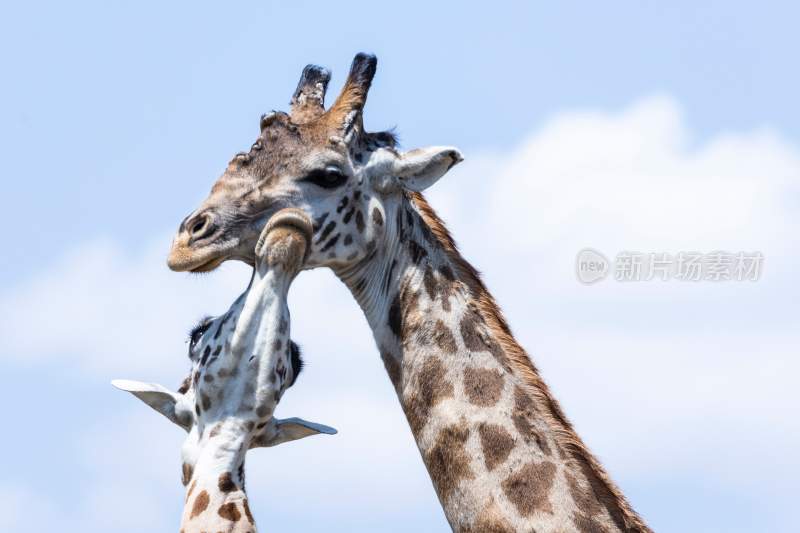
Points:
[(281, 149)]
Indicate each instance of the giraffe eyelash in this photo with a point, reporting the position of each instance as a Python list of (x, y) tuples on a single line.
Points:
[(296, 361), (197, 332), (327, 178)]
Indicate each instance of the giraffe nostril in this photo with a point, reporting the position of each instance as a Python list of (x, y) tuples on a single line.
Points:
[(202, 227)]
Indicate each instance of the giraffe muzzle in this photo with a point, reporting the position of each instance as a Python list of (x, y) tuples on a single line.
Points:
[(286, 238), (291, 218)]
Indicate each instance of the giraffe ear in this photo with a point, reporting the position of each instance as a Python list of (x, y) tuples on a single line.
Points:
[(418, 169), (291, 429), (170, 404)]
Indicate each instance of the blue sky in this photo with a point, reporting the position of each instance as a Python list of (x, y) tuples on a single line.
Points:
[(118, 118)]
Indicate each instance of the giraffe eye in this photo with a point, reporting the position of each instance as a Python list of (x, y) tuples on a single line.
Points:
[(197, 332), (327, 178)]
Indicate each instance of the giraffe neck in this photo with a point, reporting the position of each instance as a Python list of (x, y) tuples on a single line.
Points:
[(215, 495), (500, 453)]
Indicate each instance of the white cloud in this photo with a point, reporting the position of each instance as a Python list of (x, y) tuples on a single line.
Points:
[(659, 377), (636, 175)]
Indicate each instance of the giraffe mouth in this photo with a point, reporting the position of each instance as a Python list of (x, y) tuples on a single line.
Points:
[(208, 266), (183, 257)]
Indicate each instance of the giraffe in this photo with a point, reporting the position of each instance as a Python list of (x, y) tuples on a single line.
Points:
[(501, 454), (242, 362)]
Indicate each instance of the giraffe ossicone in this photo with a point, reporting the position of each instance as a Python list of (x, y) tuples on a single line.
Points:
[(242, 363)]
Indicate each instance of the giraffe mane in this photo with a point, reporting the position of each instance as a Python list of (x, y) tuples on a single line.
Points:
[(604, 488)]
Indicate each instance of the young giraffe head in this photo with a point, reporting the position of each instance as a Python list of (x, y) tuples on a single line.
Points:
[(242, 362), (319, 161)]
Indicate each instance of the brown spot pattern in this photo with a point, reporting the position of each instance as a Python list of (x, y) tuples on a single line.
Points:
[(185, 384), (229, 511), (411, 316), (528, 489), (186, 470), (492, 525), (359, 222), (496, 443), (377, 218), (403, 316), (429, 282), (585, 524), (395, 317), (476, 339), (327, 231), (262, 410), (469, 332), (430, 388), (523, 416), (437, 288), (443, 338), (226, 483), (247, 513), (490, 520), (200, 504), (392, 368), (448, 461), (483, 386)]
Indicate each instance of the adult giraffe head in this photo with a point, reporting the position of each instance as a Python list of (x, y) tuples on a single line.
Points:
[(319, 161)]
